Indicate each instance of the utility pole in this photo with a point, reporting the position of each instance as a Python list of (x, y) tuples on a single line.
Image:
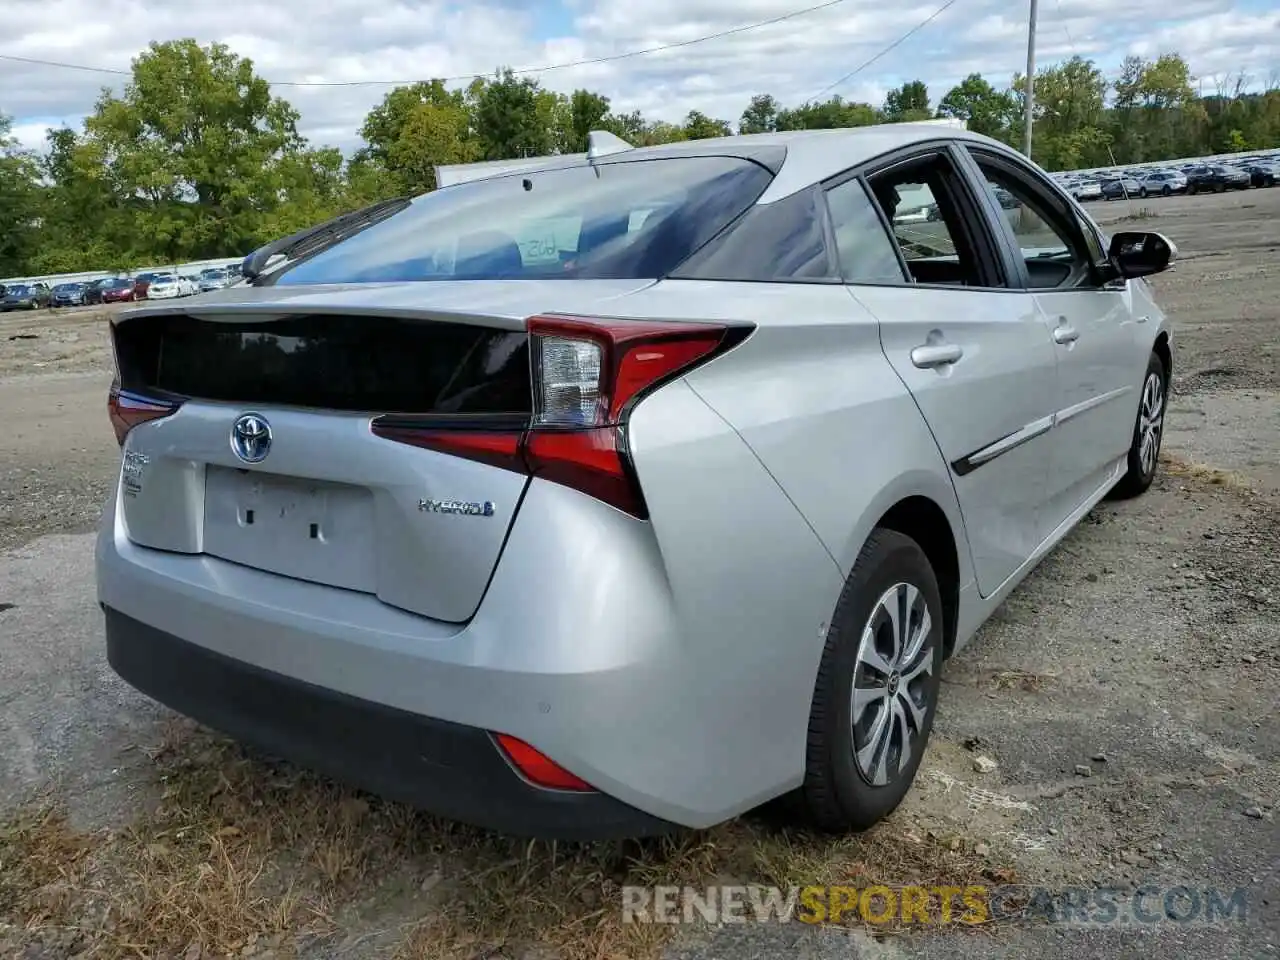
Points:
[(1031, 82)]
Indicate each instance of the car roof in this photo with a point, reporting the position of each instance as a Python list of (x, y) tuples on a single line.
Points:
[(812, 156), (800, 158)]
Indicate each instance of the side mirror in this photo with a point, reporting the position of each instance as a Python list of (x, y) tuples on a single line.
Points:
[(1138, 254)]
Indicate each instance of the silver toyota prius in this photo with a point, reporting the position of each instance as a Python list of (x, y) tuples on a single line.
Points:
[(627, 492)]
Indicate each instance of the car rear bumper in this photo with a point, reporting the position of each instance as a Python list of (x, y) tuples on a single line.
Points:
[(449, 769), (577, 649)]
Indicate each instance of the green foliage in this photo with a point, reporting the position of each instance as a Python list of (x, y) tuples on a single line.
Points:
[(698, 126), (908, 102), (761, 115), (19, 203), (836, 112), (983, 108), (196, 158)]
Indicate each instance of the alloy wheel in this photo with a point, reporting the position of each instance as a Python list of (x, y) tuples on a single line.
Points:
[(889, 703), (1150, 422)]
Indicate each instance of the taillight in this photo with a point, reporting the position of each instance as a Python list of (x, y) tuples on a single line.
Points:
[(587, 376), (127, 410), (537, 768)]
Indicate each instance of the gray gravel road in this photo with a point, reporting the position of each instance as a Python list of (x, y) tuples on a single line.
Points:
[(1145, 650)]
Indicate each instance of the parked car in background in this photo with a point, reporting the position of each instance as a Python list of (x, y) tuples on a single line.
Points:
[(1163, 182), (214, 279), (1118, 188), (542, 556), (1085, 190), (69, 295), (189, 284), (25, 296), (165, 286), (141, 284), (1262, 174), (93, 291), (117, 290), (1216, 177)]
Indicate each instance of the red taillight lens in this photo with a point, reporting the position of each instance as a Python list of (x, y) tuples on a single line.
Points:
[(587, 374), (606, 365), (537, 768), (127, 410)]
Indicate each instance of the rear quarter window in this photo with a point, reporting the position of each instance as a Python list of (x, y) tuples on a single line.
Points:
[(780, 241)]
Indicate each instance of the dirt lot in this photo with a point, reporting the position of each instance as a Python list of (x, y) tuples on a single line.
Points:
[(1127, 694)]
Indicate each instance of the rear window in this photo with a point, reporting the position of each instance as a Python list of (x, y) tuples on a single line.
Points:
[(618, 220)]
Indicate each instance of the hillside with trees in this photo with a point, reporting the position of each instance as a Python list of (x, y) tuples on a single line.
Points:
[(197, 158)]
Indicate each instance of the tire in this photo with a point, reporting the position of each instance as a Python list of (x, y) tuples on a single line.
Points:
[(1219, 187), (1192, 189), (1142, 470), (1142, 193), (838, 794), (1165, 190)]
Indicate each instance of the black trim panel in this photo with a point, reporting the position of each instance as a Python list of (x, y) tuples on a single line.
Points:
[(1011, 441), (447, 769)]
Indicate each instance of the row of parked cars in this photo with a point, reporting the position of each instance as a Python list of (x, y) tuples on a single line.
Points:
[(144, 286), (1237, 174)]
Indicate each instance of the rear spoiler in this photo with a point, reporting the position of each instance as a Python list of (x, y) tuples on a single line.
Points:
[(600, 143)]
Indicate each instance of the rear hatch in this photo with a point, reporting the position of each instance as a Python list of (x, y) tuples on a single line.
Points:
[(329, 502)]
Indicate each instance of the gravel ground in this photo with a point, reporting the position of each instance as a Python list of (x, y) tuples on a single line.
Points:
[(1126, 692)]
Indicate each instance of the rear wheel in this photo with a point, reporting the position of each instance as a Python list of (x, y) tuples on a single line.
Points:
[(877, 687), (1165, 190), (1219, 187), (1142, 193), (1148, 432)]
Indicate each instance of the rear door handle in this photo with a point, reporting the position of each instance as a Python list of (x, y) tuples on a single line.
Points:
[(1065, 334), (931, 355)]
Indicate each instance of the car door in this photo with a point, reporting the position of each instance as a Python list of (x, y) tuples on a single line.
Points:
[(1099, 364), (976, 357)]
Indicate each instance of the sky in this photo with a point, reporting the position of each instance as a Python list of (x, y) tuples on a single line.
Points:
[(802, 57)]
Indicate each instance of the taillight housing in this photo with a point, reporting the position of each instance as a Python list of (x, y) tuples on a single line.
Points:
[(127, 410), (587, 375)]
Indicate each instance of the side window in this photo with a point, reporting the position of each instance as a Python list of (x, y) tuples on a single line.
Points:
[(866, 251), (1055, 255), (780, 241), (932, 225)]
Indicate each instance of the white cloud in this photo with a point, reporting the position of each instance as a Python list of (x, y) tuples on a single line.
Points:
[(352, 40)]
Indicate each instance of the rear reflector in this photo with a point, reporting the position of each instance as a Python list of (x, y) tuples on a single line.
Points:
[(127, 410), (588, 375), (537, 768)]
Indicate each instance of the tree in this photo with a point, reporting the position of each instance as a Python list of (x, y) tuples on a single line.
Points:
[(192, 148), (658, 132), (417, 128), (836, 112), (587, 110), (508, 121), (19, 200), (698, 126), (761, 115), (83, 218), (984, 110), (908, 102), (1070, 129)]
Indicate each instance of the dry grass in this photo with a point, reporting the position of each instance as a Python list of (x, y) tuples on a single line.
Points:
[(243, 857), (1019, 679), (1141, 213), (1186, 469)]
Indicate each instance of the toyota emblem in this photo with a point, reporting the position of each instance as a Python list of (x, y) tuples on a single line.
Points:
[(251, 438)]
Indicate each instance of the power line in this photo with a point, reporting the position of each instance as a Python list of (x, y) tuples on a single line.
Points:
[(886, 51), (523, 71)]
